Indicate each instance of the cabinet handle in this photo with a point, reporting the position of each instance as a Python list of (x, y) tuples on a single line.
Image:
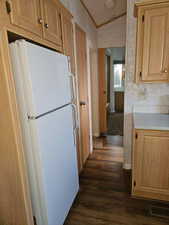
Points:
[(82, 103), (165, 71), (40, 21), (46, 26)]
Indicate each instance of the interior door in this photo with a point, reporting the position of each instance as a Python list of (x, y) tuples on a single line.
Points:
[(52, 21), (27, 15), (102, 90), (15, 205), (155, 45), (151, 167), (81, 56)]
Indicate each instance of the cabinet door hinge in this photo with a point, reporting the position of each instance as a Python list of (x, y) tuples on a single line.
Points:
[(140, 74), (34, 220), (8, 7), (143, 17), (136, 135), (134, 183)]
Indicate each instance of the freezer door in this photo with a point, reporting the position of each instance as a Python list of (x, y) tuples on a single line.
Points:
[(45, 74), (58, 163)]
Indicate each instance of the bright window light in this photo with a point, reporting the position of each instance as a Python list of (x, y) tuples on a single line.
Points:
[(118, 69)]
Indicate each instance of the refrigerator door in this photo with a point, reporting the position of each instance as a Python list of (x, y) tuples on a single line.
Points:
[(58, 162), (45, 74)]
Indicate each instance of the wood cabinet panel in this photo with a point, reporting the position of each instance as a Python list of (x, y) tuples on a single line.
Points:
[(15, 205), (156, 45), (27, 15), (151, 167), (68, 39), (52, 21), (3, 11), (152, 59)]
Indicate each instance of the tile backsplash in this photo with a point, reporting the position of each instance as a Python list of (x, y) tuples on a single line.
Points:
[(151, 109)]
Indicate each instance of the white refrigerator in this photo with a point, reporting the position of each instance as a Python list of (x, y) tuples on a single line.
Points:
[(44, 87)]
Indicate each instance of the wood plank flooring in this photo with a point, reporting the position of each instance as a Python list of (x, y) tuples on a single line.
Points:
[(104, 196)]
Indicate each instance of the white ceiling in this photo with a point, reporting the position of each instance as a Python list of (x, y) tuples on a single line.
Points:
[(101, 14)]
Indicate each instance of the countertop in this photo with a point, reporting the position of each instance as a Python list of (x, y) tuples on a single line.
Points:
[(151, 121)]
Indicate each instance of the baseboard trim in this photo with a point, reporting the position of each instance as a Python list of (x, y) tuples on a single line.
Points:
[(127, 166)]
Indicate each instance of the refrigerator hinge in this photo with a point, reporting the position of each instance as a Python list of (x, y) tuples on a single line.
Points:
[(34, 220)]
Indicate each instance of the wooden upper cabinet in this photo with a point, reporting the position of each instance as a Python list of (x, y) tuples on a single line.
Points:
[(68, 39), (52, 21), (152, 63), (27, 15), (3, 12), (151, 167)]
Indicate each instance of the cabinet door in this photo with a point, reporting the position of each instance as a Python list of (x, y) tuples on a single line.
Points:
[(156, 45), (151, 165), (3, 12), (27, 15), (68, 41), (52, 21), (15, 205)]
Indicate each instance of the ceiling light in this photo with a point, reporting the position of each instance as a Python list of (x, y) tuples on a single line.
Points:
[(110, 4)]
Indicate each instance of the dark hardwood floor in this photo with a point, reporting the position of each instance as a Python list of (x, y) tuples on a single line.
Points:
[(104, 197)]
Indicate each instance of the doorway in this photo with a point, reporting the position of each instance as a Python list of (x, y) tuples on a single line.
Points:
[(111, 92)]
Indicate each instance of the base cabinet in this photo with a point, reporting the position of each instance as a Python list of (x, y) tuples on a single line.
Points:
[(151, 165)]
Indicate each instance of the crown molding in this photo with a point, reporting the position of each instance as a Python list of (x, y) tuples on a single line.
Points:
[(111, 20), (90, 15), (105, 23)]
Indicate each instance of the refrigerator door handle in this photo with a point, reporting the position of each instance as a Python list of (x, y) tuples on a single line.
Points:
[(74, 122), (74, 135), (74, 116), (72, 86)]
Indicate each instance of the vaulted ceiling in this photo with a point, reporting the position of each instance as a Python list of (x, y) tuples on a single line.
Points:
[(103, 12)]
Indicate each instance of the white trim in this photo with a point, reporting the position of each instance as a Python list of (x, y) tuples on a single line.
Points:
[(127, 166)]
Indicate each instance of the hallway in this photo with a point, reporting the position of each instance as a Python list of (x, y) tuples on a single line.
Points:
[(104, 197)]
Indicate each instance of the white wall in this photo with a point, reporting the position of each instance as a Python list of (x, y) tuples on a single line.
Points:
[(113, 34), (153, 97), (82, 18)]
